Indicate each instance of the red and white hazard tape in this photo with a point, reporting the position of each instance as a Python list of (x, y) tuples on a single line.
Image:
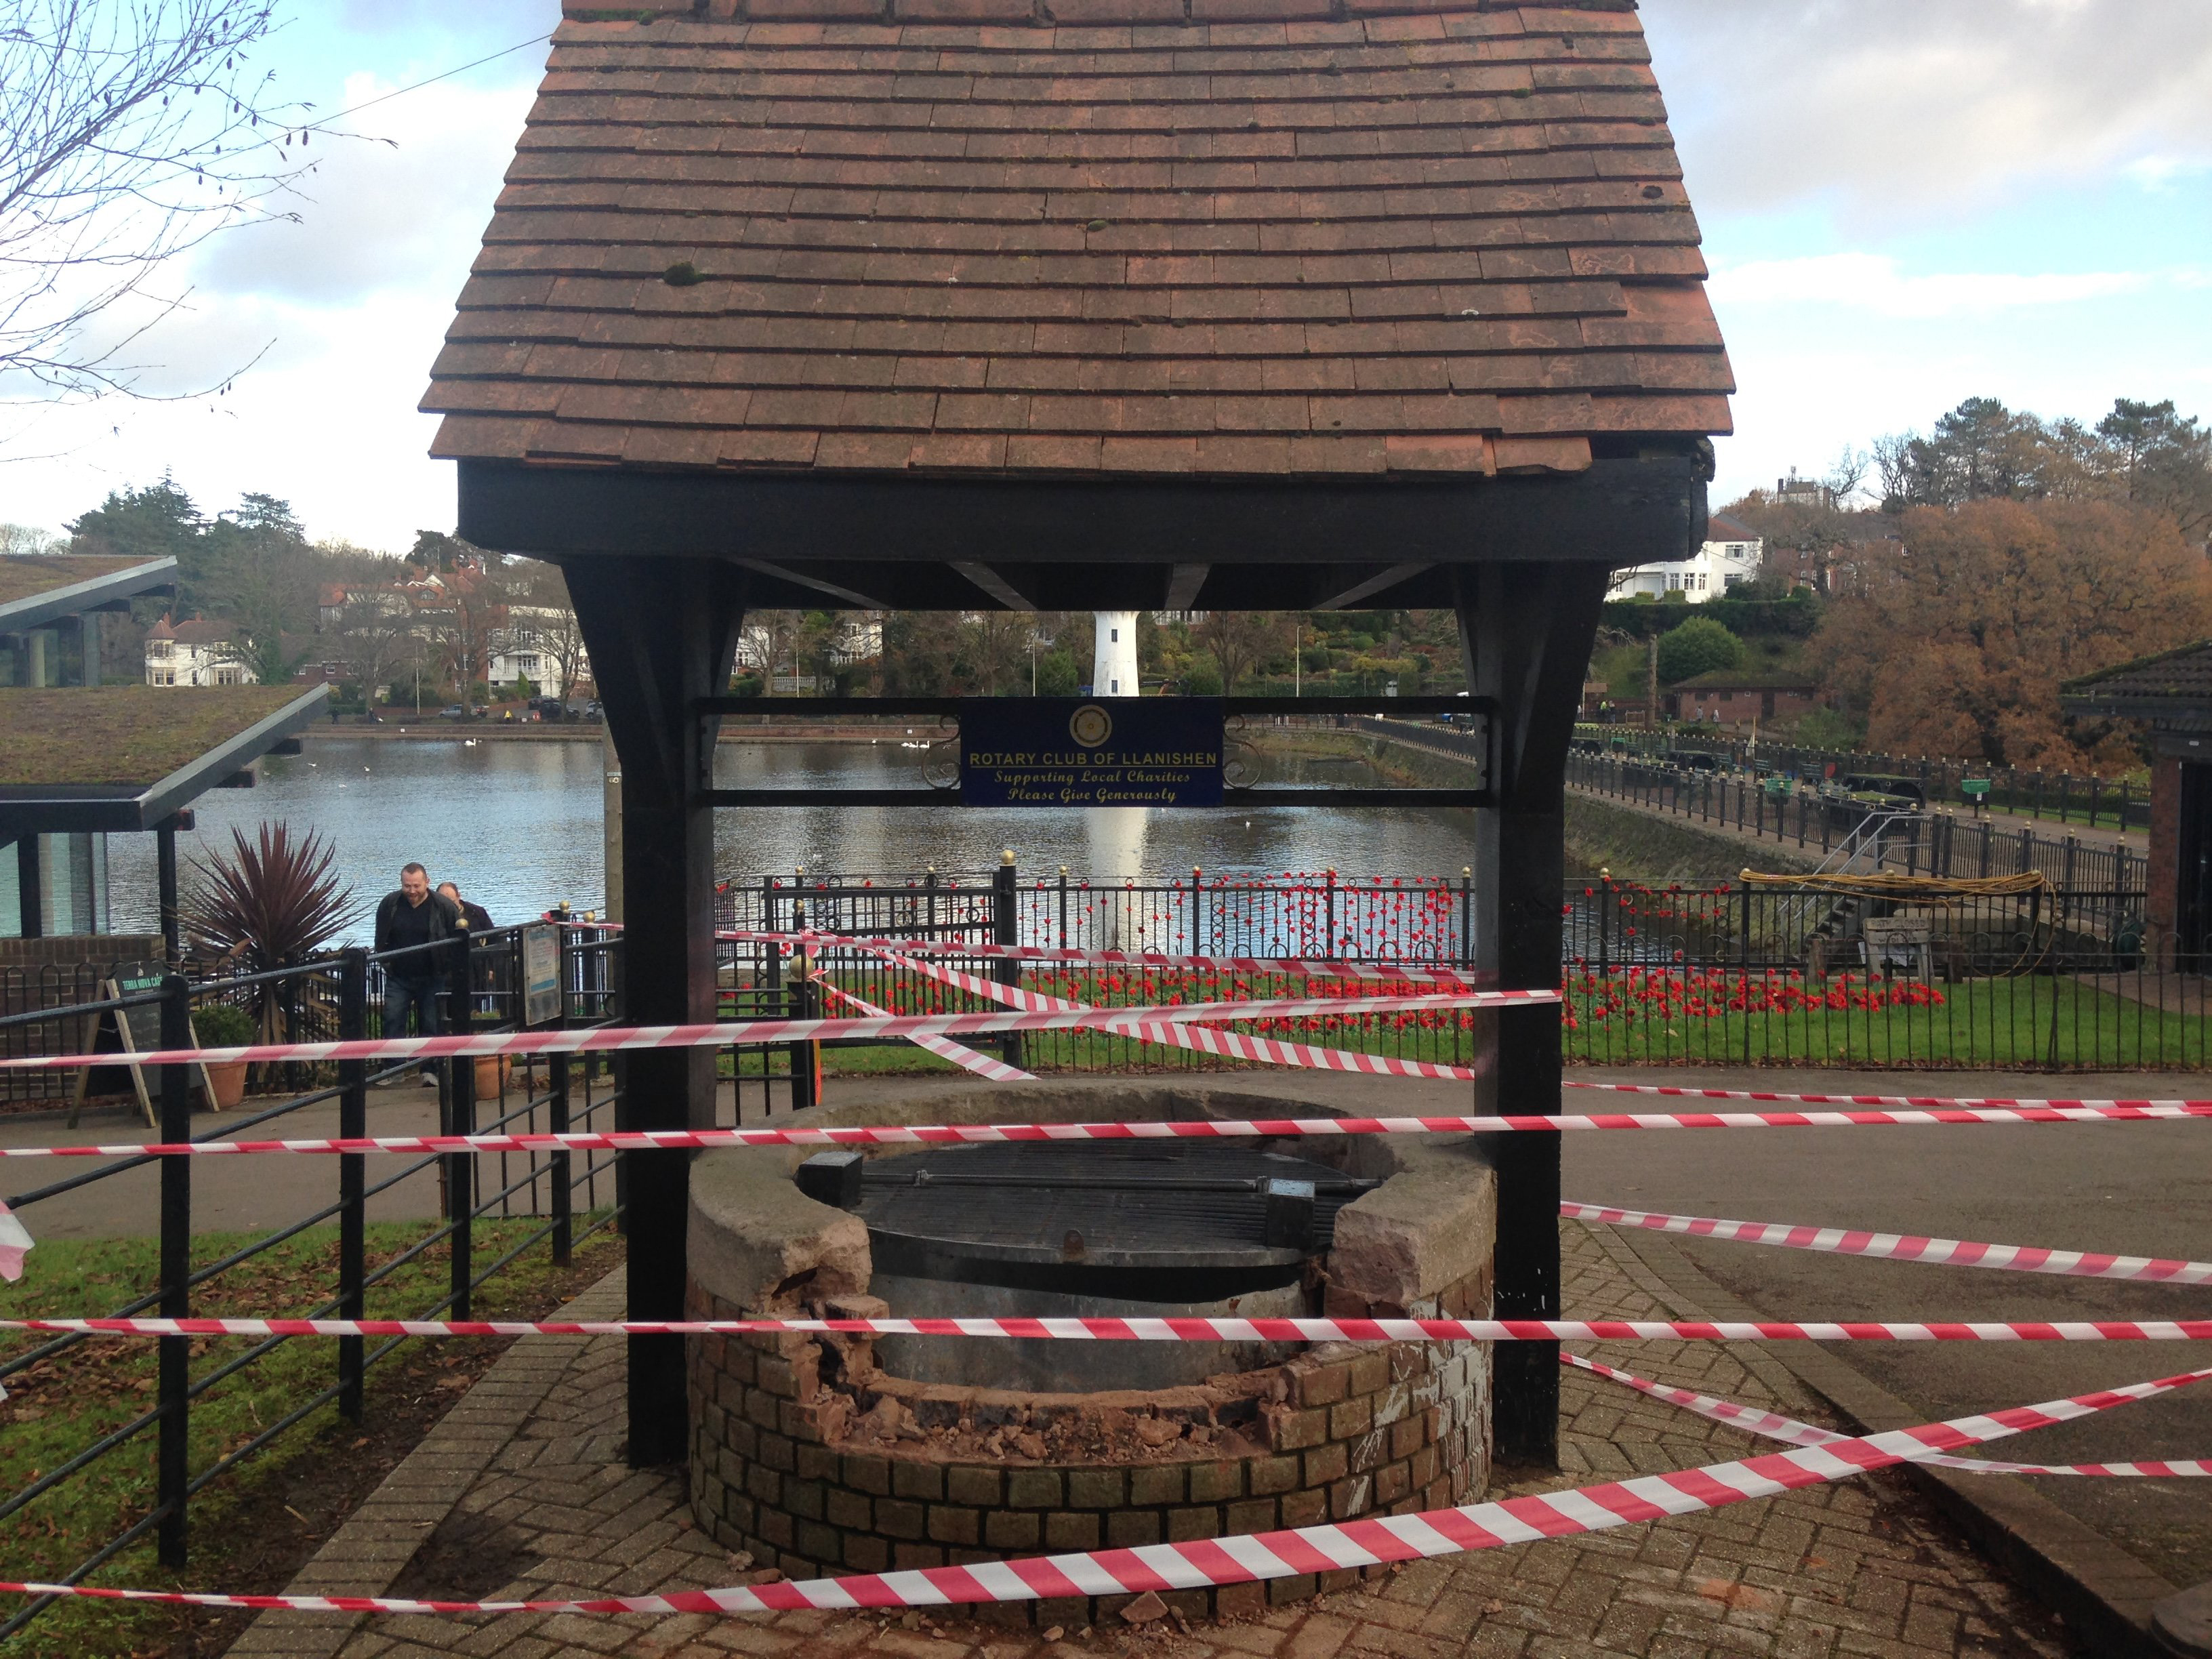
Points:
[(616, 1039), (16, 1241), (1902, 1247), (1234, 1045), (628, 1140), (1255, 1557), (1774, 1426), (1191, 1329), (1406, 973), (944, 1047), (1670, 1091)]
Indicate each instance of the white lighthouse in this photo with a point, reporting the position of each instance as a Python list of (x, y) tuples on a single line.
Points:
[(1113, 654)]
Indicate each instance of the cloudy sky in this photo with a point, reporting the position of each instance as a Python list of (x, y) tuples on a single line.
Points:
[(1906, 203)]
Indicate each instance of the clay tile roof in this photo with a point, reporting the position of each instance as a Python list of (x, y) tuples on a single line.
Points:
[(1197, 236), (2173, 689)]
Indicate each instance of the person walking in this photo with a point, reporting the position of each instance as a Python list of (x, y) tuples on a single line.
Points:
[(478, 919), (408, 919), (476, 915)]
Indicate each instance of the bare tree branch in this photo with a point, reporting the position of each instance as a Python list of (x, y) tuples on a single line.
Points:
[(130, 132)]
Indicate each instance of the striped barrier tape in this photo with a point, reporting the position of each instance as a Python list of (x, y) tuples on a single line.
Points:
[(1234, 1045), (16, 1242), (1189, 1330), (944, 1047), (1410, 974), (1774, 1426), (601, 1039), (645, 1140), (1248, 1558), (1902, 1247), (1674, 1091)]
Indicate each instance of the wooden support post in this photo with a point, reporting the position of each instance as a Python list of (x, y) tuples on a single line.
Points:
[(662, 633), (1525, 631), (30, 887)]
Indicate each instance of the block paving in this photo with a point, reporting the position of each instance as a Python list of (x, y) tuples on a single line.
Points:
[(524, 1478)]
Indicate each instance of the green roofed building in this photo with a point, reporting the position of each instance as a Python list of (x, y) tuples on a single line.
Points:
[(82, 760)]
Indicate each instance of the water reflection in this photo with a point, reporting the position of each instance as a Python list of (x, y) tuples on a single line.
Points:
[(517, 824)]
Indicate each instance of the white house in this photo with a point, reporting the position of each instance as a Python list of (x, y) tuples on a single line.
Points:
[(194, 652), (1730, 555), (532, 646)]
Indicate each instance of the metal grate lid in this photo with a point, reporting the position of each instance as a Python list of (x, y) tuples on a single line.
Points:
[(1104, 1205)]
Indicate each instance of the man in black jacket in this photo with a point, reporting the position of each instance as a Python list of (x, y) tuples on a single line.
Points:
[(410, 918)]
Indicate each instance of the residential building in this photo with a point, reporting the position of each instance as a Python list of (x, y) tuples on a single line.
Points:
[(1736, 698), (1730, 555), (195, 652)]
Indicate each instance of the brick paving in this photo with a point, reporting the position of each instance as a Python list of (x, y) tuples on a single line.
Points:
[(1861, 1568)]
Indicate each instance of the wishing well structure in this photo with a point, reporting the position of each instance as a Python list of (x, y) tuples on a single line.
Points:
[(1087, 305)]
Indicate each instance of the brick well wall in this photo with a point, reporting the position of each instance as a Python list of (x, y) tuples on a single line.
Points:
[(815, 1463)]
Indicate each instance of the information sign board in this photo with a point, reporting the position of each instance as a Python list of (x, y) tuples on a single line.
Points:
[(541, 973), (1100, 752)]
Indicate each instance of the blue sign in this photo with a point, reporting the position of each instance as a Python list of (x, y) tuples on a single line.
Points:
[(1091, 752)]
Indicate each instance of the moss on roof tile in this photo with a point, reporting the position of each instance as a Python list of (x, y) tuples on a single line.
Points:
[(119, 735), (25, 576)]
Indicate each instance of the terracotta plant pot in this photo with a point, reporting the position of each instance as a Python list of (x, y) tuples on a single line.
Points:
[(492, 1072), (226, 1086)]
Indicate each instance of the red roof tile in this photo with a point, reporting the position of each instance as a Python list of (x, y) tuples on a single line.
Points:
[(1230, 237)]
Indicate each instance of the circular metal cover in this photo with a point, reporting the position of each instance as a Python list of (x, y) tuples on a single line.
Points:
[(1097, 1204)]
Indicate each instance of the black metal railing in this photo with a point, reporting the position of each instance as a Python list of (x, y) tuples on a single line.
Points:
[(2059, 797), (573, 1196), (2061, 976), (1793, 814), (1925, 975)]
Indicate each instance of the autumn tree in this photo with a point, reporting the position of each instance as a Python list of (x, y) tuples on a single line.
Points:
[(1240, 640), (1958, 638)]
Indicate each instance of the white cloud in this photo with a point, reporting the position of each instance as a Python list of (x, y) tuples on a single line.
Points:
[(1895, 107), (340, 316), (375, 215), (1879, 283)]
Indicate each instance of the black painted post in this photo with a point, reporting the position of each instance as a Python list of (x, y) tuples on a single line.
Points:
[(353, 1123), (1006, 930), (165, 868), (805, 1004), (460, 1103), (30, 890), (662, 633), (557, 1120), (174, 1473), (1525, 631)]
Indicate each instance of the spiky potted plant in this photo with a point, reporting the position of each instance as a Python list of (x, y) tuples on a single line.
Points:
[(275, 901)]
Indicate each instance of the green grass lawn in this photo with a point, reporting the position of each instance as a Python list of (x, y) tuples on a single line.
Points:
[(2030, 1021), (67, 1402)]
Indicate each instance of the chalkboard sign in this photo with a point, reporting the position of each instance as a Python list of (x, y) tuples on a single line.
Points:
[(129, 1031), (142, 1026)]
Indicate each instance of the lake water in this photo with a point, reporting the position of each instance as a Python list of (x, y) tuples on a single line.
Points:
[(517, 825)]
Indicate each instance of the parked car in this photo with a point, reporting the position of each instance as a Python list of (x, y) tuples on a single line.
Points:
[(453, 711)]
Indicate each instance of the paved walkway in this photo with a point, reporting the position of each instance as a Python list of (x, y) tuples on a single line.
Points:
[(521, 1492)]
